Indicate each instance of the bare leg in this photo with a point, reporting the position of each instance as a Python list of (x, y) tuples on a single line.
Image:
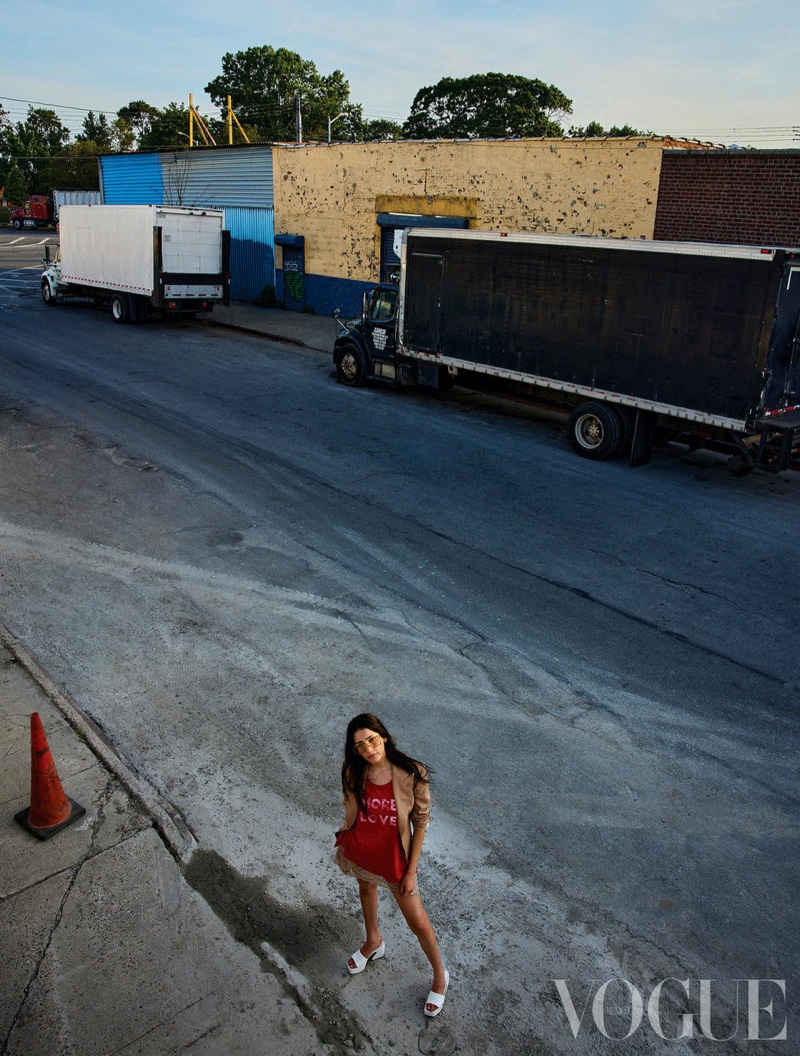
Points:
[(368, 893), (417, 919)]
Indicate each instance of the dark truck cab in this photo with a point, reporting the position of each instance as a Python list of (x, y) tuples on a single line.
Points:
[(366, 348), (632, 338)]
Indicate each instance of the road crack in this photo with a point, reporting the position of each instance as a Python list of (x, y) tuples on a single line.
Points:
[(98, 822)]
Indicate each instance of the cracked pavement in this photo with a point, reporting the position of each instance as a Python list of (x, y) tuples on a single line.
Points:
[(106, 948), (223, 555)]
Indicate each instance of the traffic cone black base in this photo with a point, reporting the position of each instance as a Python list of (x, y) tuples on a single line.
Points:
[(76, 812)]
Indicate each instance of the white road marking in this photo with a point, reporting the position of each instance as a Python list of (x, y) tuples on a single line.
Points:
[(15, 244)]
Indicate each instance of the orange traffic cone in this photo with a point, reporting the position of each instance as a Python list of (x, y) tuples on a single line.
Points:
[(50, 809)]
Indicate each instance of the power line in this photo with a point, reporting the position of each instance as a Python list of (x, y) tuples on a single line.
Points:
[(755, 133), (59, 106)]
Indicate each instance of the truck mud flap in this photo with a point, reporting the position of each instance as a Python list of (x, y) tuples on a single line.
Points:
[(642, 443)]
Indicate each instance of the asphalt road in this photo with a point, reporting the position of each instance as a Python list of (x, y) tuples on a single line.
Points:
[(224, 555), (24, 249)]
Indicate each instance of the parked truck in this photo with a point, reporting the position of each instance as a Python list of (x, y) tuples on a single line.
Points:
[(41, 210), (75, 197), (633, 338), (38, 211), (140, 259)]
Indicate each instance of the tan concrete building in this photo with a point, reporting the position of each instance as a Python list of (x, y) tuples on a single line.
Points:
[(337, 206)]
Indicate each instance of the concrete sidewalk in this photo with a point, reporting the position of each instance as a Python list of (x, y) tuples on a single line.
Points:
[(298, 328), (105, 947)]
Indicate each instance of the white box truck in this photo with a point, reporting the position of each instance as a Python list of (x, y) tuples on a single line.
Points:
[(140, 259)]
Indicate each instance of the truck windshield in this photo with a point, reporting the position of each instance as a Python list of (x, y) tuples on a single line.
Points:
[(381, 306)]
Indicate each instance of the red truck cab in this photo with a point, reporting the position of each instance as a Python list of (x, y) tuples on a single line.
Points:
[(38, 211)]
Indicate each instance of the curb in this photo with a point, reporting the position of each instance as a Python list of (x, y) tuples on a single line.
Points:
[(167, 820), (239, 328), (268, 335)]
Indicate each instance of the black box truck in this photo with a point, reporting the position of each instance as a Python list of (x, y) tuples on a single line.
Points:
[(628, 336)]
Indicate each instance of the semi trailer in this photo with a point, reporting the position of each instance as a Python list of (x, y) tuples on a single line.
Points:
[(634, 339)]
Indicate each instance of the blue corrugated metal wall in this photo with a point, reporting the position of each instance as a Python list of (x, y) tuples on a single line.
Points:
[(132, 179), (252, 251), (238, 181), (228, 177)]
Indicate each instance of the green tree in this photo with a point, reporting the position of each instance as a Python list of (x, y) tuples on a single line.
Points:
[(96, 130), (264, 82), (169, 128), (595, 129), (487, 105), (76, 168), (139, 115), (31, 144), (218, 127), (123, 137), (16, 188), (380, 130)]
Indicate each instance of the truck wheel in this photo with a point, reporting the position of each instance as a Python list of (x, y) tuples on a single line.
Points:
[(740, 466), (47, 294), (17, 225), (596, 430), (120, 308), (350, 368)]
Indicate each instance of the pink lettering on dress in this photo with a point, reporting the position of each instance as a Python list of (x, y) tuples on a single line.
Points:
[(382, 812)]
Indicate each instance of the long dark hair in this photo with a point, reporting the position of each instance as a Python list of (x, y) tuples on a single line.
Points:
[(354, 767)]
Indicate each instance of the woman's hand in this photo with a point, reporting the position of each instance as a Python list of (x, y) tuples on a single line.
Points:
[(408, 885)]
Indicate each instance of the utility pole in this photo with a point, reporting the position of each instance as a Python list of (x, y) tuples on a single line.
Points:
[(298, 121)]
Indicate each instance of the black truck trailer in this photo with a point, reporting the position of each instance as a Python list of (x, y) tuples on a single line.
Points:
[(631, 337)]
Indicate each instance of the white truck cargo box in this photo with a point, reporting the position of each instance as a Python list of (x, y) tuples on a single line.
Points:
[(141, 259), (113, 247)]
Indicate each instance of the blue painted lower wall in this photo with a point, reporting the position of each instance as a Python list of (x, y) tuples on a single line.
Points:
[(323, 294)]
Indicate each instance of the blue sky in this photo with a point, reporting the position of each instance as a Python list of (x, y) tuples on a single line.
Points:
[(720, 70)]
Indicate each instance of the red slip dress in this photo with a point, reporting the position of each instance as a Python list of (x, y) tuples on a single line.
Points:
[(371, 850)]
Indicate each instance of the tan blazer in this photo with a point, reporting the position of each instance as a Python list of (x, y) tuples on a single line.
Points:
[(413, 806)]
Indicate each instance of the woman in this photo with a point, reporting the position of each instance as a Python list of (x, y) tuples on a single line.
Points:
[(387, 805)]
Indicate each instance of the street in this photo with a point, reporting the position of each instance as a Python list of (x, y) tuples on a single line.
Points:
[(223, 555)]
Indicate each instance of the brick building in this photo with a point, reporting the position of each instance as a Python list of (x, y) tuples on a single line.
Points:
[(731, 196)]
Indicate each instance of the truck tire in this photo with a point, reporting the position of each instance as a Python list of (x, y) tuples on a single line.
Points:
[(350, 367), (48, 296), (120, 308), (596, 430), (17, 224), (741, 466)]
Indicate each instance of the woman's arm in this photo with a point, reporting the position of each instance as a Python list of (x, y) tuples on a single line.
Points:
[(408, 885), (419, 817)]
